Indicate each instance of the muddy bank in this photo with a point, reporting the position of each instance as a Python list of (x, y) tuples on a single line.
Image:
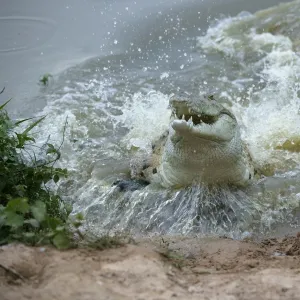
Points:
[(155, 268)]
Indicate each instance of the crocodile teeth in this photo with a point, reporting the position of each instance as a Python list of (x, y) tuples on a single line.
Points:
[(183, 117), (190, 120)]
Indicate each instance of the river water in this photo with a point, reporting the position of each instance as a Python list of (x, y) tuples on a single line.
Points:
[(115, 65)]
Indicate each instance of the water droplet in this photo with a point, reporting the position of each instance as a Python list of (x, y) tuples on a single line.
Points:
[(164, 75)]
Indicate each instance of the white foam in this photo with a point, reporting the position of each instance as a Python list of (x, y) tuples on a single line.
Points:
[(147, 116), (218, 38), (271, 116)]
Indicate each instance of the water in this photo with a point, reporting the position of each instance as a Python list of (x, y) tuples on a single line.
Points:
[(113, 77)]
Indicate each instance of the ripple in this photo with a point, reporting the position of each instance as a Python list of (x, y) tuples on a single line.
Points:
[(20, 33)]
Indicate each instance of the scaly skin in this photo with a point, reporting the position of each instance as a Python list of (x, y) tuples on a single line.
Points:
[(203, 145)]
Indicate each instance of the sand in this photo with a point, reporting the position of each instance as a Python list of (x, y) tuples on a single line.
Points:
[(155, 268)]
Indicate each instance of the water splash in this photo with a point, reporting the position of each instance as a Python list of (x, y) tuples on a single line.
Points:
[(147, 117), (197, 209), (268, 110), (107, 118)]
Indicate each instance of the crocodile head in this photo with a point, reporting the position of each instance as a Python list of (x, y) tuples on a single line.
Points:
[(205, 119)]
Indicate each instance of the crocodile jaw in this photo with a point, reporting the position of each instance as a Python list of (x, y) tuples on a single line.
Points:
[(223, 129)]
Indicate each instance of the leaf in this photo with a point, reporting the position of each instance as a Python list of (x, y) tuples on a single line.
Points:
[(22, 138), (56, 178), (21, 121), (80, 216), (33, 222), (16, 236), (29, 234), (61, 241), (51, 149), (39, 211), (63, 172), (20, 190), (60, 228), (50, 234), (13, 219), (68, 207), (53, 222), (18, 205), (45, 79), (2, 106), (33, 125), (77, 224)]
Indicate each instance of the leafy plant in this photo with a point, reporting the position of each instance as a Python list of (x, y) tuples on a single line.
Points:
[(45, 79), (29, 211)]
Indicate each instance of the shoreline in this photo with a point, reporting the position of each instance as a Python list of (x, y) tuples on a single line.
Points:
[(155, 268)]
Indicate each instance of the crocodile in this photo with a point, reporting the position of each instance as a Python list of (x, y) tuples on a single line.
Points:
[(203, 145)]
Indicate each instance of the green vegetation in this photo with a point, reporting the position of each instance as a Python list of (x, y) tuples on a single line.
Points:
[(45, 79), (29, 211)]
